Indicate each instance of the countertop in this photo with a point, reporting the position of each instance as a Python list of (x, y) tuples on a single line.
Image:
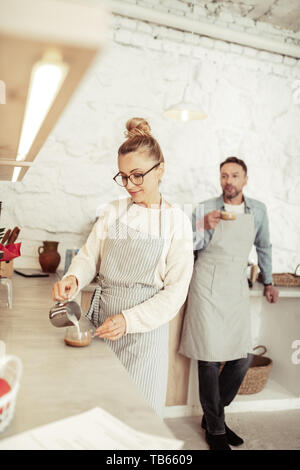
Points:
[(59, 381), (292, 292)]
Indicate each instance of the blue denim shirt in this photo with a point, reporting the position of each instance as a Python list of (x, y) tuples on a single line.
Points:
[(261, 224)]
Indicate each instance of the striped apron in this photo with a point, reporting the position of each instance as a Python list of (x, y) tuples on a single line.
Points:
[(126, 279)]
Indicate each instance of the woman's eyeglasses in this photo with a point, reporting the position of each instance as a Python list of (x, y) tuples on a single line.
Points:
[(135, 178)]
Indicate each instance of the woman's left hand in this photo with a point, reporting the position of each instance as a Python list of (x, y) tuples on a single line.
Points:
[(113, 328)]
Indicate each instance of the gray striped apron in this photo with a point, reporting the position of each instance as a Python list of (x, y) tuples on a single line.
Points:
[(217, 324), (126, 279)]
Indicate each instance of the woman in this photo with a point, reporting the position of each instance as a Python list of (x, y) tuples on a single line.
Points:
[(144, 248)]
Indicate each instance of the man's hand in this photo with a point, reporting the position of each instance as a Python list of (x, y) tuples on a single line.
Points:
[(209, 221), (271, 294)]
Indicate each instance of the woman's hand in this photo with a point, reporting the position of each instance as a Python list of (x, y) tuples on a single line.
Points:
[(65, 289), (113, 328)]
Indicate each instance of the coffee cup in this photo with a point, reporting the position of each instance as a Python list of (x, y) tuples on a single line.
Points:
[(81, 334), (228, 215)]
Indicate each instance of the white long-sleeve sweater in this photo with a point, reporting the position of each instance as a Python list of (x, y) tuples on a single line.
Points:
[(174, 269)]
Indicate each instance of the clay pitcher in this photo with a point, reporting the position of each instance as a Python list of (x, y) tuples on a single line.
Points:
[(49, 257)]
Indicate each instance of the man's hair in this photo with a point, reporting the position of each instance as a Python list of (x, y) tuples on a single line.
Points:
[(235, 160)]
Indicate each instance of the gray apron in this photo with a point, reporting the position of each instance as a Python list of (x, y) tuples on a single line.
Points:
[(126, 276), (217, 324)]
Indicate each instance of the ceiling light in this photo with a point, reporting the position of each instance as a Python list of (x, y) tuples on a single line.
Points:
[(47, 77), (186, 110)]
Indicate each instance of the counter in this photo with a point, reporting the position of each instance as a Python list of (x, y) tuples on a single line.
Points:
[(59, 381), (284, 292)]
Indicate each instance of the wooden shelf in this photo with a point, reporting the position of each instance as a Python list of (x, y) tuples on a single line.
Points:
[(16, 74), (27, 31)]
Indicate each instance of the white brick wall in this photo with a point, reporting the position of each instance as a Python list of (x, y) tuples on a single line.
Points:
[(213, 14), (169, 39), (252, 100)]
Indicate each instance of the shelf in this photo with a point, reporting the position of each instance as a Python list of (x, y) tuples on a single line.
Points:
[(274, 397), (28, 31), (292, 292)]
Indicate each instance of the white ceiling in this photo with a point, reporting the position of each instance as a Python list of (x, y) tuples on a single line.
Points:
[(284, 14)]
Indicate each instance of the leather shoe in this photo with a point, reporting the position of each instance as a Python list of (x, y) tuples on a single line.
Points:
[(217, 442), (232, 438)]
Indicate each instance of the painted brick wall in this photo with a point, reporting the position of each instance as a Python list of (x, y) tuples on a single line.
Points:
[(253, 102)]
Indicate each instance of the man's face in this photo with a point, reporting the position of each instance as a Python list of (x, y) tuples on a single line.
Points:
[(233, 178)]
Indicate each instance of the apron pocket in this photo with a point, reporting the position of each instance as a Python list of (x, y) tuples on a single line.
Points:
[(227, 281), (204, 274)]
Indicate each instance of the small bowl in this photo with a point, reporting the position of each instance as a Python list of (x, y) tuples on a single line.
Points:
[(82, 336), (77, 339)]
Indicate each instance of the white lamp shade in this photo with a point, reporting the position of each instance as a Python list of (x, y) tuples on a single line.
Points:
[(185, 111)]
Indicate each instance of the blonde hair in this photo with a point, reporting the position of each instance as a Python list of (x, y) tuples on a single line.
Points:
[(139, 139)]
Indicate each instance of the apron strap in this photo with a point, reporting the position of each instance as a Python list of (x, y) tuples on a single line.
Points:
[(162, 217)]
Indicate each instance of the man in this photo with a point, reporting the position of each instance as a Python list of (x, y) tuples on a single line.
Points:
[(217, 324)]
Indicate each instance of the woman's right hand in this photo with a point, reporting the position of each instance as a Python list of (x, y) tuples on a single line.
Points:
[(65, 289)]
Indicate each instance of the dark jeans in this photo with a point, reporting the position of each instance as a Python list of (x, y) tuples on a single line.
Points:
[(218, 390)]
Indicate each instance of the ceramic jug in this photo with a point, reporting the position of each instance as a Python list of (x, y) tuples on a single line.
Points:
[(49, 257)]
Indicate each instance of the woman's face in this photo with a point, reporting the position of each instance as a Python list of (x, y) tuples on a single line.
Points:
[(136, 163)]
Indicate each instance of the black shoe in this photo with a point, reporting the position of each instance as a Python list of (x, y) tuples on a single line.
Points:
[(232, 438), (217, 442)]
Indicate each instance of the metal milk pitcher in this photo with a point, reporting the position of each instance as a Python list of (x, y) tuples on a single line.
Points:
[(65, 313)]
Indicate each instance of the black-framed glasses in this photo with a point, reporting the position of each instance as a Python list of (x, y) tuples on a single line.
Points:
[(135, 178)]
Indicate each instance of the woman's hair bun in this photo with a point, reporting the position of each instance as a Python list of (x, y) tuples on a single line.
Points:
[(139, 139), (137, 126)]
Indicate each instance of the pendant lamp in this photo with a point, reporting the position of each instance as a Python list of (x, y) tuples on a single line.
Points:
[(186, 110)]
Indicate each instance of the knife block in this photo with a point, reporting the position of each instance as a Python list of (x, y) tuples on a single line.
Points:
[(6, 268)]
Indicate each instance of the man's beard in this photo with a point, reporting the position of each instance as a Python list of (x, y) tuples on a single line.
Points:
[(232, 195)]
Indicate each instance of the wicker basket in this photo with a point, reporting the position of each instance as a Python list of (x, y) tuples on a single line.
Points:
[(257, 375), (285, 279)]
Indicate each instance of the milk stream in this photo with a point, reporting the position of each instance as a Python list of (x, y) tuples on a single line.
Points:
[(75, 322)]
